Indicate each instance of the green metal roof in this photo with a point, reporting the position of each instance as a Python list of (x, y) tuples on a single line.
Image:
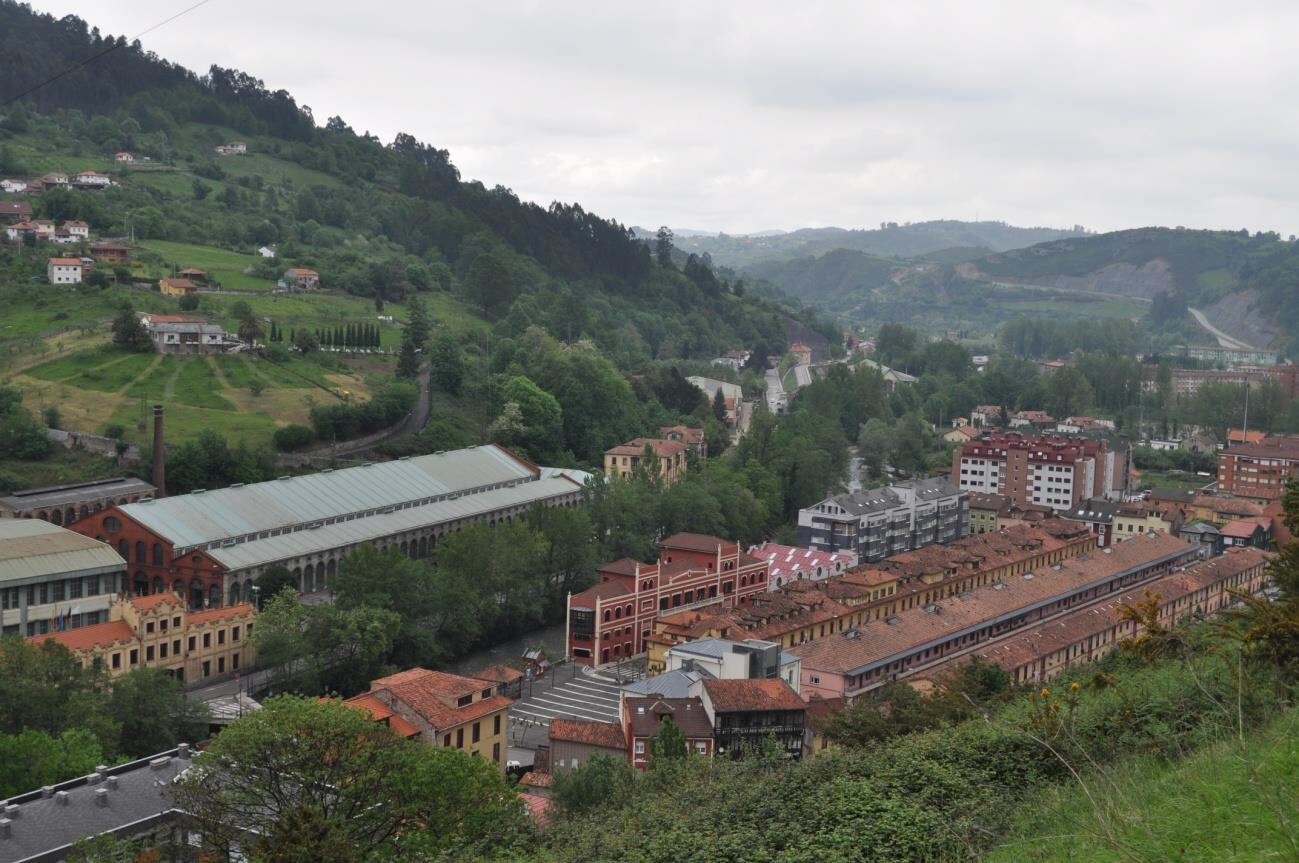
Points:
[(243, 511), (31, 550)]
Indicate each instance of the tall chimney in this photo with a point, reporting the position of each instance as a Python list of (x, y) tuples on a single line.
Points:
[(159, 454)]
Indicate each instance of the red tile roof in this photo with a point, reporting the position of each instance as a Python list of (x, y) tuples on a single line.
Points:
[(1227, 505), (240, 610), (695, 542), (1244, 528), (607, 735), (90, 637), (661, 448), (912, 628), (538, 808), (499, 674), (65, 262), (153, 600), (380, 712), (730, 696), (537, 779), (425, 702), (603, 590)]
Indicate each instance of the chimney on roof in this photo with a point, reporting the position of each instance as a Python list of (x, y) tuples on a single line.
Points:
[(159, 454)]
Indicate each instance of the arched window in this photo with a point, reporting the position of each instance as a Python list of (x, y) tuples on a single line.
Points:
[(157, 554), (297, 577), (124, 549), (139, 553), (234, 593), (157, 584), (214, 596), (141, 584), (57, 517), (329, 571), (85, 511), (423, 546), (70, 516), (617, 613), (43, 515), (606, 615), (197, 593), (308, 579), (178, 587), (404, 550)]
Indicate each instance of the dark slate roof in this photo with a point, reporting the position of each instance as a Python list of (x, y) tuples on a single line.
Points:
[(45, 825)]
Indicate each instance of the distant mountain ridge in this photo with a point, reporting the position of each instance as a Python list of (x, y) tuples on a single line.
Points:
[(891, 240)]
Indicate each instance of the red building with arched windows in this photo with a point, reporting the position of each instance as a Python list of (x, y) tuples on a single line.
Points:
[(615, 618)]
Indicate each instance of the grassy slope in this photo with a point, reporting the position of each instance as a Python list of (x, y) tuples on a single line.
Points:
[(1230, 802)]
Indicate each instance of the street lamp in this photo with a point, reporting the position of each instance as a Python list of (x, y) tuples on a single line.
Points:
[(257, 591)]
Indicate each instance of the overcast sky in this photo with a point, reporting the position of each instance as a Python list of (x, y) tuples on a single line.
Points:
[(753, 115)]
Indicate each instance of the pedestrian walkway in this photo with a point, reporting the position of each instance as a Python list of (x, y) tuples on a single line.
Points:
[(580, 697)]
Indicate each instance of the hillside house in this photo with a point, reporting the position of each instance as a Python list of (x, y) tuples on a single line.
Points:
[(185, 334), (198, 277), (91, 180), (802, 353), (19, 231), (15, 211), (300, 279), (234, 148), (176, 287), (693, 438), (77, 229), (266, 252), (64, 271), (56, 180), (113, 253), (123, 158), (13, 187)]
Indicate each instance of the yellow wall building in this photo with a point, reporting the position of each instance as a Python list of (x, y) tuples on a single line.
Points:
[(158, 632), (442, 710), (623, 460)]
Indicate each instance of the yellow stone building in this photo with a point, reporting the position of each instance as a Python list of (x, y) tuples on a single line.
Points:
[(442, 710), (158, 632), (623, 460)]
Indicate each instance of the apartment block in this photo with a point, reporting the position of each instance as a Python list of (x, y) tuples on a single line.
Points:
[(1046, 470), (881, 522)]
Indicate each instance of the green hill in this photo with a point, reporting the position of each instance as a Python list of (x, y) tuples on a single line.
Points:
[(1230, 802), (1248, 284), (890, 240), (383, 224)]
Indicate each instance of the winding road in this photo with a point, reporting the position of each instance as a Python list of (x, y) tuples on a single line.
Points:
[(1224, 340)]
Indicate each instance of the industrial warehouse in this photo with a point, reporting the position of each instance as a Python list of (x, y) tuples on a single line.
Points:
[(210, 546)]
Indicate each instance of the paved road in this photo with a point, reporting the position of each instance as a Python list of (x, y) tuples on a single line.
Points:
[(1224, 340), (776, 398), (803, 375)]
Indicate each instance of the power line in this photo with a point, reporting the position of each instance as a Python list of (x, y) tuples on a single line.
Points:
[(110, 49)]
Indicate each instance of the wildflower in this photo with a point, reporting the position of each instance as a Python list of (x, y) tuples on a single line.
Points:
[(1073, 687), (1046, 693)]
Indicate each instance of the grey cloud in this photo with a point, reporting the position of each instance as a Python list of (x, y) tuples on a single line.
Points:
[(750, 115)]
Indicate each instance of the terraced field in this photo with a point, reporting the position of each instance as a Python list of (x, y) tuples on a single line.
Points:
[(240, 395)]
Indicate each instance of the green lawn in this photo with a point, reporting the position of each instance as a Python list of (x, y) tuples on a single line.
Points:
[(115, 374), (74, 364), (221, 265), (185, 422), (276, 172), (197, 383), (1071, 306), (1230, 803), (241, 372), (40, 310), (312, 311)]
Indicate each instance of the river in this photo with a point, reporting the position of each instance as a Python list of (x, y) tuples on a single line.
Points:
[(507, 652)]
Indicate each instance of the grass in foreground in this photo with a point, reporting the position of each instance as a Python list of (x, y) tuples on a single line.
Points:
[(1229, 803)]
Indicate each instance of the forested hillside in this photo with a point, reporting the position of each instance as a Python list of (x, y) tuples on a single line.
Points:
[(472, 277), (1247, 283), (891, 240)]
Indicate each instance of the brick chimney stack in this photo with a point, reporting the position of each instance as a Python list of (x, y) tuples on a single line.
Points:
[(159, 454)]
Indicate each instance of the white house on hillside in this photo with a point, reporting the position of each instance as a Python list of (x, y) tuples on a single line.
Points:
[(64, 271)]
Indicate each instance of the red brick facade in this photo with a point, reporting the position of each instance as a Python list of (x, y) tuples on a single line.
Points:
[(1258, 471), (152, 564), (615, 618)]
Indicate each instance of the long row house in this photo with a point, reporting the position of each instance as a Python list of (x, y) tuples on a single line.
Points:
[(210, 546)]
